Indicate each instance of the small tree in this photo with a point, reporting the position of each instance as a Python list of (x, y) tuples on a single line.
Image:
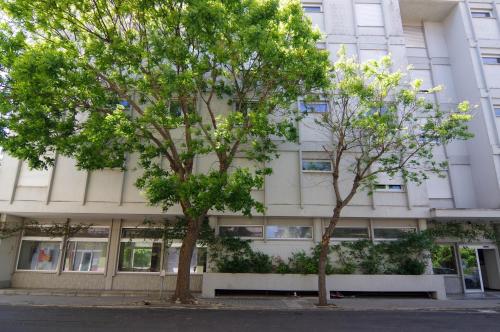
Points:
[(380, 124), (97, 80)]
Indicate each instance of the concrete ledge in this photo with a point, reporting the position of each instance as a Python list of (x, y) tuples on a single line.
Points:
[(294, 282)]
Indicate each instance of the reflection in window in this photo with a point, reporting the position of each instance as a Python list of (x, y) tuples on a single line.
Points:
[(481, 14), (139, 257), (288, 232), (497, 111), (317, 165), (391, 233), (350, 233), (314, 107), (491, 60), (444, 260), (39, 255), (198, 261), (241, 231), (86, 256), (312, 8)]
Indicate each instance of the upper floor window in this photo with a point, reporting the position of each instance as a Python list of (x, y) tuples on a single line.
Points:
[(491, 60), (314, 107), (316, 165), (481, 13), (349, 233), (497, 110), (391, 233), (312, 8), (389, 187), (256, 232)]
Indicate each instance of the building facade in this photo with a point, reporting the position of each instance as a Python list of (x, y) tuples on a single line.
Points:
[(455, 43)]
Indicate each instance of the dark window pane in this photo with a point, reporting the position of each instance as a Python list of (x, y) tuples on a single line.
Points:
[(444, 260), (391, 233), (481, 14), (350, 232), (289, 232), (139, 257), (487, 60), (141, 233), (93, 232), (497, 111), (241, 231), (312, 9), (316, 165)]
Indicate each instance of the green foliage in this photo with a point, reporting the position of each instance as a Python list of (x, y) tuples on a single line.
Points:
[(98, 80), (302, 263), (464, 232), (232, 255)]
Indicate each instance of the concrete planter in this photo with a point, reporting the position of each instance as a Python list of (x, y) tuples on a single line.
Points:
[(338, 282)]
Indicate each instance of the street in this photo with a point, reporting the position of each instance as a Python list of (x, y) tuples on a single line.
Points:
[(28, 318)]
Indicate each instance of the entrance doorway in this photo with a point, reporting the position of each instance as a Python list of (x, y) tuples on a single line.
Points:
[(480, 268)]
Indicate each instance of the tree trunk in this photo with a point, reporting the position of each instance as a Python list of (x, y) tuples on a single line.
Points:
[(182, 292), (323, 257)]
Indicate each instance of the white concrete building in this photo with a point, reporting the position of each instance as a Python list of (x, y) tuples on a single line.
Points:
[(451, 42)]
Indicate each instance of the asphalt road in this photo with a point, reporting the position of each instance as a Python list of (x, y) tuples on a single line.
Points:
[(17, 318)]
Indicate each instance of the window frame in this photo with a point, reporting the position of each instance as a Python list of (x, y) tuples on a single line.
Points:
[(245, 237), (303, 106), (312, 5), (87, 240), (387, 188), (315, 171), (381, 239), (290, 238), (347, 239), (139, 240), (476, 13), (40, 239), (490, 56)]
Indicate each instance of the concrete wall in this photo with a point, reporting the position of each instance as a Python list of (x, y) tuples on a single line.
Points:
[(7, 258)]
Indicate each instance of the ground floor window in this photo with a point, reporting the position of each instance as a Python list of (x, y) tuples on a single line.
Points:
[(140, 257), (242, 231), (349, 233), (444, 260), (391, 233), (198, 261), (288, 232), (39, 255), (86, 256)]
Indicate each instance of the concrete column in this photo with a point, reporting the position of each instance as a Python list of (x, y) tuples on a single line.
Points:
[(317, 229), (8, 250), (113, 252)]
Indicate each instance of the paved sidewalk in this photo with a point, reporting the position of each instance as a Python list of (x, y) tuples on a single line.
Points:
[(143, 299)]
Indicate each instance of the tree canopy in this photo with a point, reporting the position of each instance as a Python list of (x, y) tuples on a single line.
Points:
[(172, 81)]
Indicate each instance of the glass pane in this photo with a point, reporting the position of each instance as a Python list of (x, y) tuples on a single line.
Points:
[(198, 261), (93, 232), (141, 233), (39, 255), (86, 256), (497, 111), (488, 60), (312, 9), (241, 231), (472, 278), (391, 233), (443, 260), (316, 165), (350, 232), (314, 107), (289, 232), (139, 257)]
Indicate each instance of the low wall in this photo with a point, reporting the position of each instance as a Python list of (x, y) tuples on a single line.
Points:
[(87, 281), (293, 282)]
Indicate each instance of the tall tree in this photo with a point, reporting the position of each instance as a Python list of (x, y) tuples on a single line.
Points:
[(96, 80), (379, 123)]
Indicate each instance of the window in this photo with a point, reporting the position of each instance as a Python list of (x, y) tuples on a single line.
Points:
[(86, 251), (496, 108), (444, 260), (350, 233), (198, 261), (39, 255), (389, 187), (312, 8), (313, 107), (242, 231), (390, 233), (481, 13), (288, 232), (316, 165), (138, 255), (491, 60)]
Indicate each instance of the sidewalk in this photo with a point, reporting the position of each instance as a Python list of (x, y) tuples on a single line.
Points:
[(137, 300)]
